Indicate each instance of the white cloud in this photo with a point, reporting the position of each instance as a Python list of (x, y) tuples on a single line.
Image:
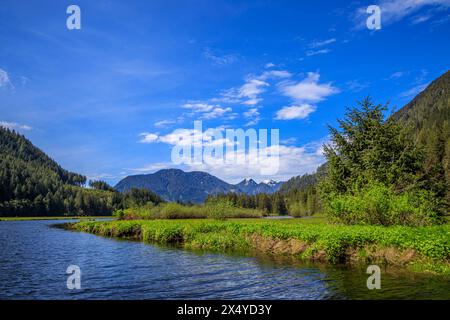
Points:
[(4, 79), (218, 112), (14, 126), (311, 53), (321, 43), (249, 93), (274, 74), (396, 10), (269, 65), (309, 90), (396, 75), (295, 112), (218, 59), (208, 111), (292, 161), (420, 18), (148, 137), (253, 116), (356, 85), (198, 107), (183, 137), (164, 123), (413, 91), (251, 90), (152, 167)]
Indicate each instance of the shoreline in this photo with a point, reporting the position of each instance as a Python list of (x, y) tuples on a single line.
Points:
[(53, 218), (402, 247)]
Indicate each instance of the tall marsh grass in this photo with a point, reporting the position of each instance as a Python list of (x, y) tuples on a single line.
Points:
[(171, 210)]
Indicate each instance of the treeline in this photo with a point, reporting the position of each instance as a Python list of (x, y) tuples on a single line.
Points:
[(33, 184), (73, 200), (297, 202)]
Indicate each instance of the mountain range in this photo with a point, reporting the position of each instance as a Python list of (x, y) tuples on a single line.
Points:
[(195, 186)]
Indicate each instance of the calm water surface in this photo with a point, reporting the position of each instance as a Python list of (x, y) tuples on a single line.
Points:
[(34, 257)]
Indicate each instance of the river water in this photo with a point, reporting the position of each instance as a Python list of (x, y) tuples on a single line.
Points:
[(34, 257)]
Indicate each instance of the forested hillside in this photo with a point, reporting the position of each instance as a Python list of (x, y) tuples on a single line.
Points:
[(31, 184), (428, 117)]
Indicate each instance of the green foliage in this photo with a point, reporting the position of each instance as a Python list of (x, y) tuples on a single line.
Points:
[(219, 210), (369, 148), (119, 214), (100, 185), (373, 172), (378, 204), (428, 116), (140, 197)]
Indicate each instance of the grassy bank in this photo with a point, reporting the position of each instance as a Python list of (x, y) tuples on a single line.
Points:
[(418, 249)]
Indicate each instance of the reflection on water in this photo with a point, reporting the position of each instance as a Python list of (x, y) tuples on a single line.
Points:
[(34, 258)]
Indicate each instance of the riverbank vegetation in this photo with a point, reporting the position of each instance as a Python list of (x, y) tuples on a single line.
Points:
[(218, 210), (418, 248)]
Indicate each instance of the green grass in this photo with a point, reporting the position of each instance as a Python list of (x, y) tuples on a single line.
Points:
[(420, 248)]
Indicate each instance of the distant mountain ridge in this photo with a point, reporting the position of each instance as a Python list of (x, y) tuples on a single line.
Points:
[(251, 187), (194, 186)]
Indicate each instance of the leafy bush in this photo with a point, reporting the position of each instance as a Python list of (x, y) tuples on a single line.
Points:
[(219, 210), (119, 214), (380, 205)]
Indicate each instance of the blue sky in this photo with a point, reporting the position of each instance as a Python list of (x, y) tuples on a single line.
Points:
[(104, 100)]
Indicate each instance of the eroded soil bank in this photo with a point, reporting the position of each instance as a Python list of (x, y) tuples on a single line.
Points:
[(424, 249)]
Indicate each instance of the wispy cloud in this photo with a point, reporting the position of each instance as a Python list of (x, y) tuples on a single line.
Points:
[(148, 137), (208, 111), (5, 80), (357, 85), (253, 116), (413, 91), (420, 18), (395, 10), (152, 167), (219, 59), (321, 43), (396, 75), (14, 126), (311, 53), (164, 123), (249, 93), (295, 112)]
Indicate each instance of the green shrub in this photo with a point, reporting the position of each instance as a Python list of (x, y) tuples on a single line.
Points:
[(220, 209), (380, 205), (118, 214)]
